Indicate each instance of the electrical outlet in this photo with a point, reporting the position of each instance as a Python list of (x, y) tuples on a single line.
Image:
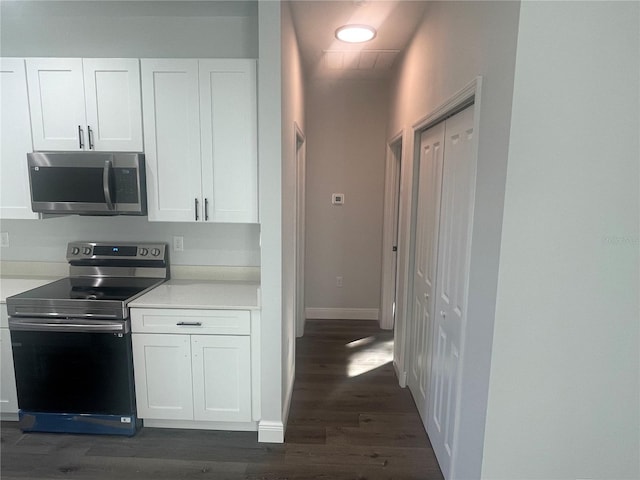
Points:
[(4, 239), (178, 244), (338, 281)]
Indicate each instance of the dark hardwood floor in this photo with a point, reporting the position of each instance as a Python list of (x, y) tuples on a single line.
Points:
[(349, 420)]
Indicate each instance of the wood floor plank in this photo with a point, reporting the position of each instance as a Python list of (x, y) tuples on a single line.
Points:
[(349, 420)]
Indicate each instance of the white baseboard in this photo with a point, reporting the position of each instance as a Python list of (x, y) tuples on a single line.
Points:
[(270, 432), (343, 313)]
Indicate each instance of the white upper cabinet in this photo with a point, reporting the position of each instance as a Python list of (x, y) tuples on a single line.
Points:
[(85, 104), (113, 105), (228, 125), (172, 138), (15, 140), (200, 123)]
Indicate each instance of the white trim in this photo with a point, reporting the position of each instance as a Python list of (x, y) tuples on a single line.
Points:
[(270, 432), (343, 313), (455, 103), (300, 158), (390, 222)]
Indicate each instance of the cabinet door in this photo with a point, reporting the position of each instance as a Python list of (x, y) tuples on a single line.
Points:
[(172, 139), (56, 100), (113, 105), (162, 367), (228, 123), (221, 377), (15, 140)]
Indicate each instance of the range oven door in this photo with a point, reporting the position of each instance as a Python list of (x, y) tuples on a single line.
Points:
[(74, 375)]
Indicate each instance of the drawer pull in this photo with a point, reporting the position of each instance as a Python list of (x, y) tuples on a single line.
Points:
[(189, 324)]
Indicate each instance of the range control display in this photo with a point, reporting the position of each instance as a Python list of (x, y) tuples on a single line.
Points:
[(115, 251)]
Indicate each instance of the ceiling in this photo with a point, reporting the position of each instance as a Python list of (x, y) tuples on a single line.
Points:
[(325, 56)]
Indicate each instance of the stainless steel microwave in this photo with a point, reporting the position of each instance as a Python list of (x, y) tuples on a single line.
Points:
[(87, 183)]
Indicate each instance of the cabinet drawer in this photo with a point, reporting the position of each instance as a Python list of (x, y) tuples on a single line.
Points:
[(203, 322)]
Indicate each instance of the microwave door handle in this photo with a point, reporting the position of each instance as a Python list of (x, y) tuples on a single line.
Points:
[(106, 185)]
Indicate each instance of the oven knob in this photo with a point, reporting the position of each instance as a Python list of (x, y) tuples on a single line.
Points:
[(155, 252), (86, 250), (144, 251), (75, 251)]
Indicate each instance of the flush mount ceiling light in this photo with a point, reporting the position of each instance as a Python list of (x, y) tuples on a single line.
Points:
[(355, 33)]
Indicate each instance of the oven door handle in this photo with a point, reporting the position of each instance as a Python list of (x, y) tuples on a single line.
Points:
[(75, 325)]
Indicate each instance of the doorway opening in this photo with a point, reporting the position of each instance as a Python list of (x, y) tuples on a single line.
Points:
[(299, 221), (389, 293)]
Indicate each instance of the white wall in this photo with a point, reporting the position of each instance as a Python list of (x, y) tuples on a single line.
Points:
[(456, 42), (271, 427), (130, 29), (292, 114), (46, 240), (163, 29), (564, 397), (346, 124)]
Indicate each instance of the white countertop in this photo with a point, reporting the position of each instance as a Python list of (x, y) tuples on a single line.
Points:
[(13, 285), (199, 294)]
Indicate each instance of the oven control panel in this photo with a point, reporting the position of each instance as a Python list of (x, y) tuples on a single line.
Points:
[(106, 250)]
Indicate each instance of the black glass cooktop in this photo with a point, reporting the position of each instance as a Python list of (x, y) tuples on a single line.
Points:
[(114, 288)]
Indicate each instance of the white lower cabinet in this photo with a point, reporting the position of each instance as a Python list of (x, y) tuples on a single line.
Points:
[(8, 395), (190, 376)]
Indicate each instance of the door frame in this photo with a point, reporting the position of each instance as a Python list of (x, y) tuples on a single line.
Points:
[(391, 232), (470, 94), (300, 156)]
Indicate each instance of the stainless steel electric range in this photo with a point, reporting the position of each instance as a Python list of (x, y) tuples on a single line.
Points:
[(71, 339)]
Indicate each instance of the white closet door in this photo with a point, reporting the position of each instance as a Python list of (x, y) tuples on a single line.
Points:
[(229, 139), (426, 251), (172, 139), (456, 212), (15, 140), (113, 105), (56, 100)]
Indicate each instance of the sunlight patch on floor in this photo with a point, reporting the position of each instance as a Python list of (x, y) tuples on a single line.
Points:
[(372, 355)]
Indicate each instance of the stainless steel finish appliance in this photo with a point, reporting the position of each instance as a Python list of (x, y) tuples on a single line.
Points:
[(71, 339), (93, 183)]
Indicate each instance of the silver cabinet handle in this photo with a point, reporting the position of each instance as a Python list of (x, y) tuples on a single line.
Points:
[(206, 209), (81, 137), (189, 324), (106, 184), (90, 135), (196, 202)]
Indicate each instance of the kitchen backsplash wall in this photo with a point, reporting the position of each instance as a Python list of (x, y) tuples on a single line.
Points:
[(204, 244)]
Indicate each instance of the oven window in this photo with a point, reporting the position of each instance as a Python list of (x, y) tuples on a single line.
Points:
[(72, 372)]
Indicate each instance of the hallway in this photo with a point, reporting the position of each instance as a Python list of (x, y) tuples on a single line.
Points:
[(349, 420)]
